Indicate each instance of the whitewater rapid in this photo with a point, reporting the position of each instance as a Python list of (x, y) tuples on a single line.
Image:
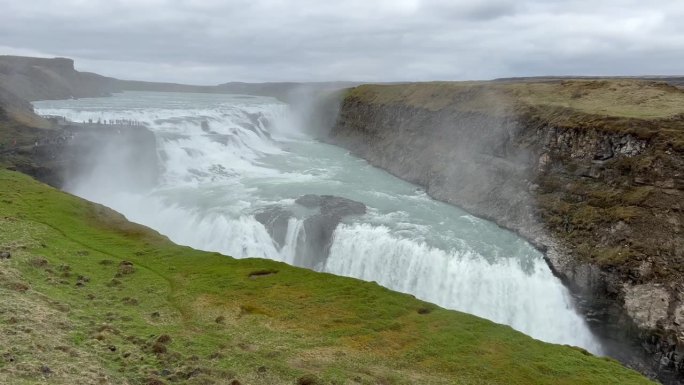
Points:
[(225, 157)]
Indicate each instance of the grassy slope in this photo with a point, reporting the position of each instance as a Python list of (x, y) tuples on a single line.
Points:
[(617, 98), (223, 324)]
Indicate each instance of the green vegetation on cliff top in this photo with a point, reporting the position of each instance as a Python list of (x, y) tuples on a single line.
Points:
[(611, 97), (73, 312)]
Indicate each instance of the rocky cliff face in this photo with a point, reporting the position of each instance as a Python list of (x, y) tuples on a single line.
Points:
[(600, 192), (67, 151)]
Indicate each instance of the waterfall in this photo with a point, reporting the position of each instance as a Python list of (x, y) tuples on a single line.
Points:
[(528, 298), (227, 158)]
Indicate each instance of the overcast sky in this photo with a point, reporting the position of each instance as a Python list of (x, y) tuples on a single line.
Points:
[(215, 41)]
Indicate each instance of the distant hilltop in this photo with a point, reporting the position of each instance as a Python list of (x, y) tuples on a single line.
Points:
[(32, 78), (61, 64)]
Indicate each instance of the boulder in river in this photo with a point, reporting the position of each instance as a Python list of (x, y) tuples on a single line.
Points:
[(314, 244), (275, 219), (205, 126), (319, 228), (332, 205)]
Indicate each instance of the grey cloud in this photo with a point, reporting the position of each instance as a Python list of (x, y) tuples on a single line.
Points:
[(478, 10), (385, 40)]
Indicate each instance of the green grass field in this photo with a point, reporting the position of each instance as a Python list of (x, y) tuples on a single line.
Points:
[(73, 313), (611, 97)]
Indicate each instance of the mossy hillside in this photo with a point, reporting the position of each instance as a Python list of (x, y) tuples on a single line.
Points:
[(615, 223), (72, 312)]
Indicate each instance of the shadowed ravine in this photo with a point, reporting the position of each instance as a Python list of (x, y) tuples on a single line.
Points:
[(227, 160)]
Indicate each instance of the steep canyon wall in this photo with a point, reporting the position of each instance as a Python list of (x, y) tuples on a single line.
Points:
[(591, 176)]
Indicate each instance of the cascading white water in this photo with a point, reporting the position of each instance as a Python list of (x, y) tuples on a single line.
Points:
[(226, 157), (459, 279)]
